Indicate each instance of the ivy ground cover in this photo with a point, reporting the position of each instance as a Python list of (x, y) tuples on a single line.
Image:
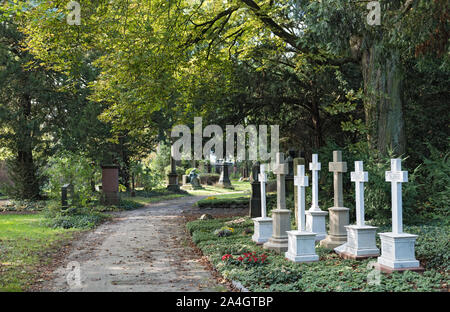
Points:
[(331, 273)]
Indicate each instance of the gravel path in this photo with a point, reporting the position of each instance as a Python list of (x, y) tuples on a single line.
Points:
[(140, 250)]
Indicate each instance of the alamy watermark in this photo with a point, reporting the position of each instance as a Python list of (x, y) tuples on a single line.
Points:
[(73, 276), (74, 16), (257, 142), (373, 17)]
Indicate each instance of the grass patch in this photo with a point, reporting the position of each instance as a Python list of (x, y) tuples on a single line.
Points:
[(25, 244), (331, 273)]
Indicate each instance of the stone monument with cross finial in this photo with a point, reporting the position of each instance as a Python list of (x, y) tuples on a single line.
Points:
[(339, 215), (281, 216), (397, 248), (315, 217), (263, 224), (301, 244), (297, 161), (173, 185), (361, 242)]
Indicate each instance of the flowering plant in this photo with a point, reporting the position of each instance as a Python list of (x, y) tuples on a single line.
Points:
[(227, 258), (224, 231), (251, 258)]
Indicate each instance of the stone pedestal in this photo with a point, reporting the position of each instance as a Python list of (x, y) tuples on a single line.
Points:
[(315, 223), (173, 182), (262, 230), (339, 218), (397, 252), (280, 225), (110, 185), (301, 247), (360, 243)]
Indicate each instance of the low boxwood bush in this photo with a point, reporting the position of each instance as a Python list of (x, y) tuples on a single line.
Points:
[(223, 202)]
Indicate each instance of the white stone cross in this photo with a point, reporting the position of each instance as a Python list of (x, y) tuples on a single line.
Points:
[(281, 169), (338, 167), (396, 177), (301, 181), (315, 167), (359, 177), (262, 177)]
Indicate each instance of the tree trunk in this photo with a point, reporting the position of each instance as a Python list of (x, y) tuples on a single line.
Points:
[(383, 101), (22, 169)]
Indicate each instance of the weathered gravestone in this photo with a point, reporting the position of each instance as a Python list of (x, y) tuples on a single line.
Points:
[(224, 180), (66, 191), (360, 237), (110, 185), (315, 217), (185, 179), (263, 224), (281, 216), (397, 248), (301, 245), (173, 176), (255, 199), (290, 175), (339, 215)]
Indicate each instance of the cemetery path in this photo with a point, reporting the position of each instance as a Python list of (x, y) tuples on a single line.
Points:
[(141, 250)]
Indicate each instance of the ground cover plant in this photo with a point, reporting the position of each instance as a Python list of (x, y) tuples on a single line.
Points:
[(331, 273)]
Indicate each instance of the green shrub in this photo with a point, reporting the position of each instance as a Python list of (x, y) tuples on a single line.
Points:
[(75, 169), (79, 221), (435, 184), (222, 202)]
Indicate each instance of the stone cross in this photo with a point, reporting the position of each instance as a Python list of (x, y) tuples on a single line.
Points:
[(281, 169), (315, 167), (301, 181), (262, 177), (338, 167), (359, 177), (396, 177)]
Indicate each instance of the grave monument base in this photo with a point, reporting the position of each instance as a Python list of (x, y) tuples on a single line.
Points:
[(360, 244), (397, 251), (301, 247), (339, 218), (262, 230), (315, 223), (280, 225)]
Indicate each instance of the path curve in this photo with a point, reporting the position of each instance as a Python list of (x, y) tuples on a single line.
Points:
[(139, 250)]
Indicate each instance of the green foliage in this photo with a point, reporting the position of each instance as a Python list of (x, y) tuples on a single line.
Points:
[(180, 170), (435, 184), (78, 221), (331, 273), (214, 202), (23, 205), (66, 167), (74, 217), (151, 179)]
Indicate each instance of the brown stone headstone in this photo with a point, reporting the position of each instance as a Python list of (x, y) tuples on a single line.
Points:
[(110, 185)]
